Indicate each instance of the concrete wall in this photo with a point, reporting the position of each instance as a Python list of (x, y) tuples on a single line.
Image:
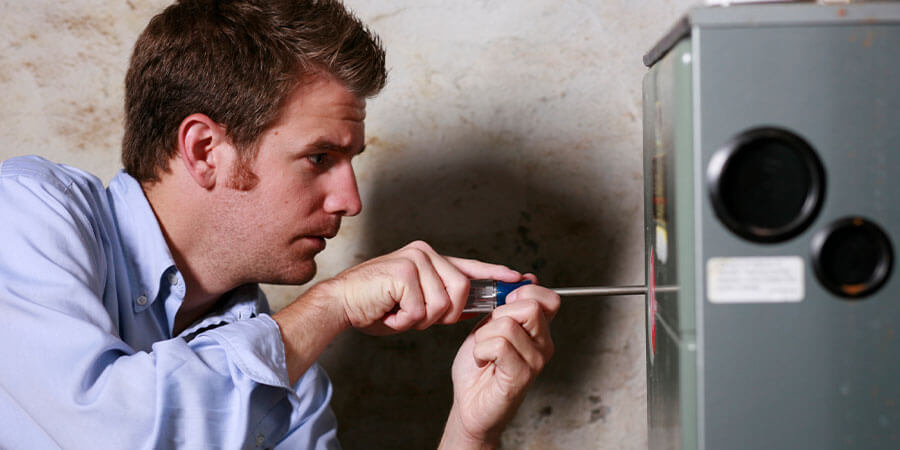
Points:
[(510, 131)]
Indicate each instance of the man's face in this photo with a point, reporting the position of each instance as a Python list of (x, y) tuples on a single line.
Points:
[(306, 185)]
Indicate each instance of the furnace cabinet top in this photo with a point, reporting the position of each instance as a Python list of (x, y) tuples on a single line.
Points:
[(767, 14)]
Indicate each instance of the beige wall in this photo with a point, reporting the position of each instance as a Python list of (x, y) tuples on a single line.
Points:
[(509, 131)]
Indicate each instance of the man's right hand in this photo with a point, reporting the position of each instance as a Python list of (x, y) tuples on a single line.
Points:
[(413, 287)]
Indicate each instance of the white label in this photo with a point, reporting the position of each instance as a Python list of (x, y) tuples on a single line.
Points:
[(755, 280), (662, 244)]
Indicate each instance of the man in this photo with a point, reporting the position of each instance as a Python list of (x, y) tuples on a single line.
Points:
[(132, 315)]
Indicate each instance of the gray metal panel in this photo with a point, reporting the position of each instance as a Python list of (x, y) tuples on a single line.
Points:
[(820, 373), (668, 155), (665, 398), (795, 14), (668, 173), (773, 15)]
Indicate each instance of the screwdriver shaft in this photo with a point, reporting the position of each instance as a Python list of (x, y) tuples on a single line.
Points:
[(603, 290), (483, 294)]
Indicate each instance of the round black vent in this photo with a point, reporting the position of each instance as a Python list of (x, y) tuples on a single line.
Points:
[(766, 184), (852, 257)]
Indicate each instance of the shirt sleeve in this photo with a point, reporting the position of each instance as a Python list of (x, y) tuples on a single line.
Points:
[(69, 381)]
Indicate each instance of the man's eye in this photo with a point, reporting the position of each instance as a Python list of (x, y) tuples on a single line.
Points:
[(317, 159)]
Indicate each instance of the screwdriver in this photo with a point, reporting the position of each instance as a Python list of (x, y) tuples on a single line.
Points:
[(485, 295)]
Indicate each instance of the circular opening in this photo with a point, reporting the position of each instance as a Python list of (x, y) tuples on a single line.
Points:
[(852, 257), (766, 184)]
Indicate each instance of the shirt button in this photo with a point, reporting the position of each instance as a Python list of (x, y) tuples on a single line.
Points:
[(173, 279), (260, 439), (142, 300)]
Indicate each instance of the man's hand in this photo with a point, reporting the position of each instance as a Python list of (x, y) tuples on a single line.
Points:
[(495, 366), (413, 287)]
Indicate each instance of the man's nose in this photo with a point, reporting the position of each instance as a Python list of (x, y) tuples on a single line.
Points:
[(343, 193)]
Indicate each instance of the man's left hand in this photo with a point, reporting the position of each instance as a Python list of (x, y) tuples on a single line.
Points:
[(496, 364)]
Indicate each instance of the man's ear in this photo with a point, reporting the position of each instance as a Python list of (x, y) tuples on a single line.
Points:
[(201, 143)]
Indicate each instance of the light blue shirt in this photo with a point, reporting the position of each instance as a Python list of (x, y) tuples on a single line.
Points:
[(88, 296)]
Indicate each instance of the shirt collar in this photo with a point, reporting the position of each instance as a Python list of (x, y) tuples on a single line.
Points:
[(142, 240)]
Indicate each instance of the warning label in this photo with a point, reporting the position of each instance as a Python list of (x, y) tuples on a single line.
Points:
[(755, 279)]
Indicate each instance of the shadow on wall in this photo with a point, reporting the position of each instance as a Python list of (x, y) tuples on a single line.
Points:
[(485, 202)]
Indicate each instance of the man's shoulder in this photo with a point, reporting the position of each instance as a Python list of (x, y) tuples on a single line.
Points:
[(35, 169)]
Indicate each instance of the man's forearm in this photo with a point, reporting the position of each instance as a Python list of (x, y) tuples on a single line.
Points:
[(308, 325)]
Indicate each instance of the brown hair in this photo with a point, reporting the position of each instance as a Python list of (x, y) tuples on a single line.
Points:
[(236, 62)]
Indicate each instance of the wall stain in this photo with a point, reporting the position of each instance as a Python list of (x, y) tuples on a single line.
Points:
[(599, 413), (545, 412)]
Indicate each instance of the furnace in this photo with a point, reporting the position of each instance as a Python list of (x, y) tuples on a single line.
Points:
[(771, 143)]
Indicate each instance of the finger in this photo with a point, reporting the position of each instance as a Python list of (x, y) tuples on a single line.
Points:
[(548, 300), (407, 291), (536, 346), (529, 317), (437, 300), (527, 313), (475, 270), (402, 318), (531, 277), (519, 340), (508, 363), (455, 283)]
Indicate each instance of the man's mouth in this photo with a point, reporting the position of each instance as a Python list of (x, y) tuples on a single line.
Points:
[(321, 237), (317, 242), (318, 236), (326, 235)]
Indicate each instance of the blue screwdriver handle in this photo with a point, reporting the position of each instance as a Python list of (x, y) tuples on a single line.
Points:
[(503, 289)]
